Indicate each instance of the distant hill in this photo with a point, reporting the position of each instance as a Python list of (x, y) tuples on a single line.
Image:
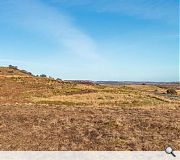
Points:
[(175, 85), (14, 71)]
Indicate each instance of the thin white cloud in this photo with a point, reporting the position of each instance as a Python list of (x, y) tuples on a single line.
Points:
[(166, 10), (35, 15)]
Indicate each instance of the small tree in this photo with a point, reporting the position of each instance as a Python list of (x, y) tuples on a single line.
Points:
[(13, 67), (43, 75)]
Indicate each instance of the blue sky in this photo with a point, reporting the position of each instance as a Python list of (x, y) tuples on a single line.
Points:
[(124, 40)]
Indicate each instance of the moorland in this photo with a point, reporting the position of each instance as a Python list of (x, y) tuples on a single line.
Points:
[(42, 113)]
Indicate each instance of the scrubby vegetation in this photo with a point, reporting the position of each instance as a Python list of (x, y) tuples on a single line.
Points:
[(43, 75), (46, 114), (171, 91)]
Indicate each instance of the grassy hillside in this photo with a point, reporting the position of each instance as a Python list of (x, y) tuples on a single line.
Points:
[(13, 71), (39, 113)]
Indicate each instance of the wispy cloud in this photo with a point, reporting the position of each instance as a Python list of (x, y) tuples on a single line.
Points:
[(150, 9), (35, 15)]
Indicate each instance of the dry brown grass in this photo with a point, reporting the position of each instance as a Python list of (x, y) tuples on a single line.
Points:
[(55, 127), (45, 114)]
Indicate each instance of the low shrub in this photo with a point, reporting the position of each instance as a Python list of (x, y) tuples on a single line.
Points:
[(43, 75), (13, 67), (171, 91)]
